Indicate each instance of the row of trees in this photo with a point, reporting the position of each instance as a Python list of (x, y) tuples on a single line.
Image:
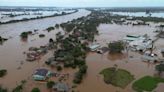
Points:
[(41, 17), (72, 50)]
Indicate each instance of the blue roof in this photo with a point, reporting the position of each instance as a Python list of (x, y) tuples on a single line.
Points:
[(41, 72)]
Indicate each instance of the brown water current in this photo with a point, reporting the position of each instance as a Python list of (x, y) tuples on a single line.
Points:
[(11, 54), (93, 82)]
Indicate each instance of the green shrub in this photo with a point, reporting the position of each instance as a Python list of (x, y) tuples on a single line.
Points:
[(59, 68), (19, 88), (50, 84), (116, 47), (35, 90), (42, 35), (24, 35), (50, 29), (3, 89), (3, 72), (83, 69)]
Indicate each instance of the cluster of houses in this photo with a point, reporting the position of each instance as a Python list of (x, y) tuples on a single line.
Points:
[(138, 42), (144, 44), (43, 74), (35, 53)]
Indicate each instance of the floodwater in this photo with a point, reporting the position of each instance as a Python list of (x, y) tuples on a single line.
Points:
[(4, 18), (93, 82), (140, 14), (114, 32), (11, 52)]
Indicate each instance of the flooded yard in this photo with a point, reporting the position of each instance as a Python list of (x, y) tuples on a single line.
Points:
[(93, 81), (13, 59), (11, 52)]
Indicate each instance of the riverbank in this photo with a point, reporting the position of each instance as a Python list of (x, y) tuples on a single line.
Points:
[(35, 18), (14, 48), (92, 81)]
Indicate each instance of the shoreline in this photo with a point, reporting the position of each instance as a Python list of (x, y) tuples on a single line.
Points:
[(35, 18)]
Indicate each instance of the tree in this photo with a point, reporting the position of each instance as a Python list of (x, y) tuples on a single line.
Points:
[(35, 90), (3, 89), (116, 47), (51, 40), (24, 35), (59, 68), (57, 25), (19, 88), (50, 84), (83, 69), (3, 72), (159, 68)]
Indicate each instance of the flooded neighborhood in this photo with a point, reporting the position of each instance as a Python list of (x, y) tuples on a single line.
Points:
[(81, 49)]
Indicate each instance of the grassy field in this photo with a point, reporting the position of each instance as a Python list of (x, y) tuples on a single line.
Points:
[(147, 83), (117, 77)]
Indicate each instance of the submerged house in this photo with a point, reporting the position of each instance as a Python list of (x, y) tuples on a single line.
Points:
[(138, 43), (141, 45), (41, 74), (130, 38), (61, 87), (94, 47), (151, 57)]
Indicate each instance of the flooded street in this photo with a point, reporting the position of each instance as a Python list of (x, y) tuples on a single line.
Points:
[(11, 52), (15, 29), (18, 69), (93, 81)]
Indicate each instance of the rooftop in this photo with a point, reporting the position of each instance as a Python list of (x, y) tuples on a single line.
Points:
[(41, 72)]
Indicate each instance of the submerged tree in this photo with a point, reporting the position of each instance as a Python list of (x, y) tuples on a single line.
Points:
[(35, 90), (50, 84), (3, 89), (116, 47), (159, 68)]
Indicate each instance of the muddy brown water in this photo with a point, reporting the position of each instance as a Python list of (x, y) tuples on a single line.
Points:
[(11, 52), (11, 55), (93, 82)]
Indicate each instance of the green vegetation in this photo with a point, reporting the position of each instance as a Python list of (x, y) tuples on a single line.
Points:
[(42, 35), (2, 39), (160, 68), (116, 47), (59, 68), (3, 72), (50, 84), (3, 89), (24, 35), (35, 90), (79, 75), (117, 77), (19, 87), (41, 17), (147, 83), (149, 19), (50, 29), (72, 51), (57, 26)]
